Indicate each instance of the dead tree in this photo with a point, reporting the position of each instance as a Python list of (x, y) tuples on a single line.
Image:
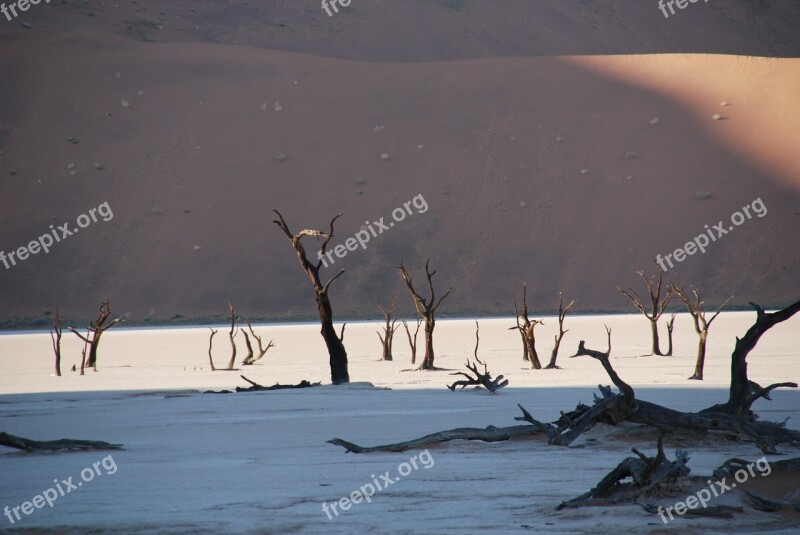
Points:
[(412, 342), (232, 334), (562, 313), (426, 309), (733, 419), (480, 379), (388, 331), (210, 342), (55, 338), (96, 328), (334, 343), (250, 359), (83, 352), (670, 328), (648, 475), (525, 327), (477, 342), (701, 324), (658, 303)]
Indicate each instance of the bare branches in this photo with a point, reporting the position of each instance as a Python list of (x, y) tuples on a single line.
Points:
[(701, 324), (426, 309), (388, 330), (477, 341), (336, 351), (96, 330), (658, 303), (625, 388), (250, 359), (480, 379), (412, 343), (525, 327), (562, 313)]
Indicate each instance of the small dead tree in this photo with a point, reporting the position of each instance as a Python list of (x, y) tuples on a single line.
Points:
[(426, 310), (477, 342), (232, 334), (657, 306), (388, 330), (525, 327), (562, 313), (412, 342), (96, 330), (480, 379), (670, 328), (701, 324), (334, 343), (250, 359), (210, 342), (55, 337)]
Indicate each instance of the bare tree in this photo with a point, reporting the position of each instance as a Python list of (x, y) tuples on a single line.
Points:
[(412, 342), (232, 334), (477, 341), (210, 342), (670, 328), (701, 324), (334, 343), (388, 330), (562, 313), (426, 310), (250, 359), (525, 327), (55, 337), (658, 303), (96, 329)]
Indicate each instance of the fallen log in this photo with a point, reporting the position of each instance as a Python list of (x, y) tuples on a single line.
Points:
[(64, 444), (488, 434)]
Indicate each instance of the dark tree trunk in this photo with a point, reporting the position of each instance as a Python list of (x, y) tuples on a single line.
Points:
[(336, 350), (427, 361), (654, 331), (701, 356)]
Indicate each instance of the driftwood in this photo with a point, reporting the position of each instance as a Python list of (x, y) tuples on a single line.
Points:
[(648, 475), (64, 444), (488, 434), (480, 379), (733, 418), (255, 387)]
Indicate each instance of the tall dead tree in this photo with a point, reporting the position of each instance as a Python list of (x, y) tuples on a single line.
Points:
[(232, 334), (55, 337), (412, 342), (388, 330), (562, 313), (336, 351), (701, 324), (426, 309), (657, 306), (250, 359), (96, 330), (525, 327)]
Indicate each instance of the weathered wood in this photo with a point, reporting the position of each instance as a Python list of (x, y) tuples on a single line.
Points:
[(480, 379), (387, 338), (336, 350), (96, 329), (647, 474), (250, 359), (255, 387), (488, 434), (562, 313), (64, 444), (701, 323), (658, 303)]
